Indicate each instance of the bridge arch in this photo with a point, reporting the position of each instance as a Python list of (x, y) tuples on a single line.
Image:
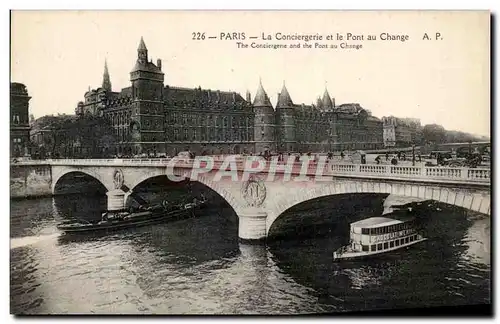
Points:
[(468, 199), (59, 174), (213, 185)]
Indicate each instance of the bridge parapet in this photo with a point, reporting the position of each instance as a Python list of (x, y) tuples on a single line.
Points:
[(312, 169), (414, 172)]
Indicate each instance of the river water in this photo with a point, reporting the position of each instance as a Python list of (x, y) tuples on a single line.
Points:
[(198, 266)]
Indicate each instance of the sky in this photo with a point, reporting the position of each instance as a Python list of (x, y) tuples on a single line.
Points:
[(58, 55)]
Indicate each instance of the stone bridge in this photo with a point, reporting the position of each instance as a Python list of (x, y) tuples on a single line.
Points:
[(260, 192)]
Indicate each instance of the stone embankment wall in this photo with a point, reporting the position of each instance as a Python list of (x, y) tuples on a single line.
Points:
[(28, 181)]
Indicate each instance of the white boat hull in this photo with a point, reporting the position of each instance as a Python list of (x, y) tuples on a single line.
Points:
[(349, 255)]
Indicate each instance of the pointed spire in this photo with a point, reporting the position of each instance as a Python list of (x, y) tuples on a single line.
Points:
[(284, 99), (106, 81), (142, 52), (327, 101), (142, 45), (261, 99)]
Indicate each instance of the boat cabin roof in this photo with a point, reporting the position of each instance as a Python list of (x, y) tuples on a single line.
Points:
[(374, 222)]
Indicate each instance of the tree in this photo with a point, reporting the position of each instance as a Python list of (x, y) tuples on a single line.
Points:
[(96, 134), (434, 133), (93, 135)]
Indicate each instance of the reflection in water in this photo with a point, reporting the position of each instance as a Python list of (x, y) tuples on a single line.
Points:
[(197, 266), (478, 249), (25, 289)]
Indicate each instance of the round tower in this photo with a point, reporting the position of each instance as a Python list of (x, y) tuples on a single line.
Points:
[(264, 130)]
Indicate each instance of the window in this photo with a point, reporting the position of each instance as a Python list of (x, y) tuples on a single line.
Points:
[(407, 239), (412, 238), (386, 245), (397, 242), (391, 244), (379, 246), (373, 247), (365, 248), (365, 231)]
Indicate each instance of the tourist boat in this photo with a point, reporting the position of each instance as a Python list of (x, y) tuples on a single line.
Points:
[(121, 220), (378, 235)]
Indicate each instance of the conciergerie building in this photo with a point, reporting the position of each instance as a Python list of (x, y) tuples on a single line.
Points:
[(150, 116)]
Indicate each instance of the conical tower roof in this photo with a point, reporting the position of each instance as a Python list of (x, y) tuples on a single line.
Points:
[(261, 99), (284, 99), (106, 81), (142, 45), (319, 103), (327, 101)]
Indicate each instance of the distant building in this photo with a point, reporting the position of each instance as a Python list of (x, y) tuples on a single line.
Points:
[(19, 120), (401, 132)]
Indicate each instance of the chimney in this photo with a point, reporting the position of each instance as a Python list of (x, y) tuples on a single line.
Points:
[(158, 63)]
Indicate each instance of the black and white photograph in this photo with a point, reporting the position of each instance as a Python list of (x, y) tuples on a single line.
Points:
[(250, 162)]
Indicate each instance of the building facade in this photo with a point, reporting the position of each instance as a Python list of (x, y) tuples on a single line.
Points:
[(19, 120), (401, 132), (151, 117)]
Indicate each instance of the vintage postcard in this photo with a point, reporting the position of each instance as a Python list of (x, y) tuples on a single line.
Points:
[(250, 162)]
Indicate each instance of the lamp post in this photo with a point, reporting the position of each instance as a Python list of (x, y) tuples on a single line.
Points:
[(413, 154)]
